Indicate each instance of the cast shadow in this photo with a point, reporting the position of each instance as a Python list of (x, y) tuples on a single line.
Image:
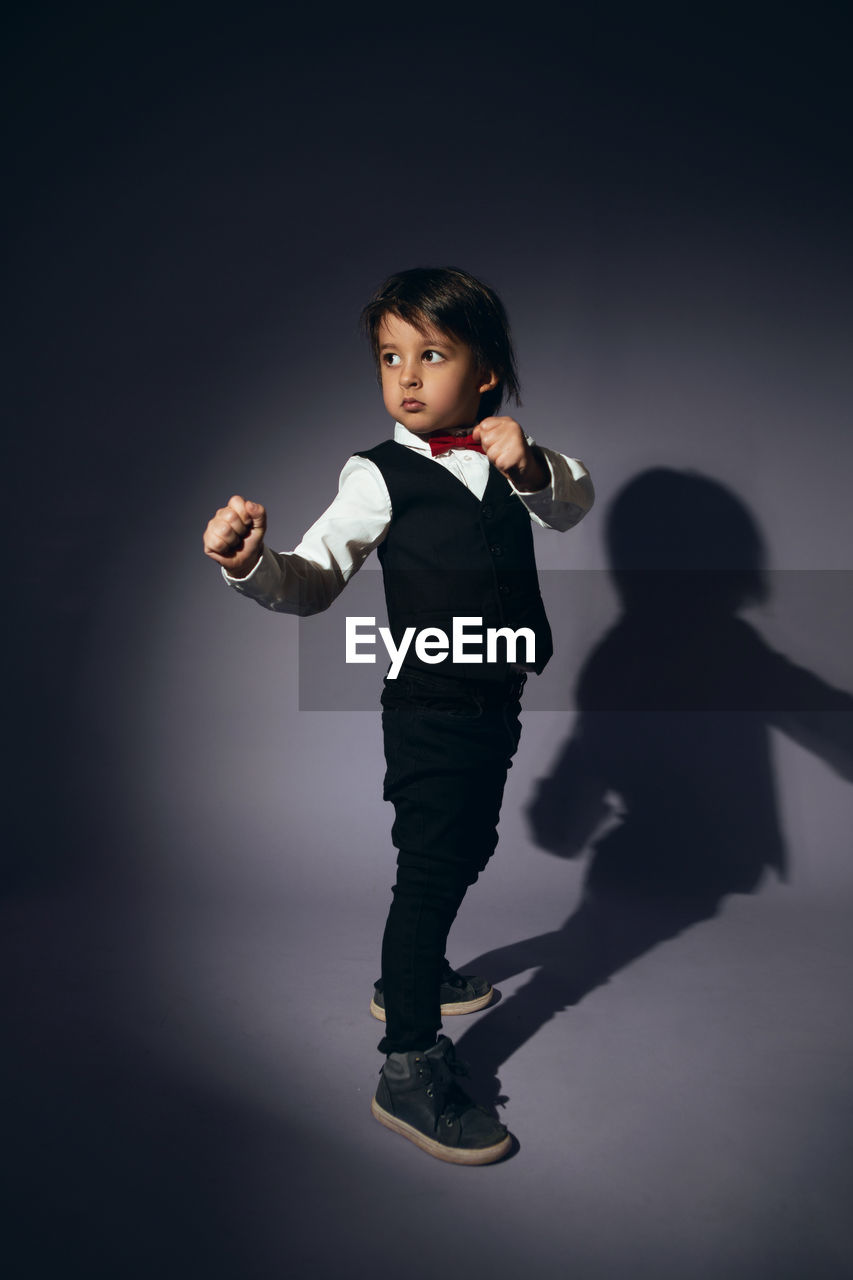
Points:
[(667, 777)]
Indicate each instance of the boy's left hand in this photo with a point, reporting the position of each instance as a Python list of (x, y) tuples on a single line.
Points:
[(506, 447)]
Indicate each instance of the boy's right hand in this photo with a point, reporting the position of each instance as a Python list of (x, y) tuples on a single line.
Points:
[(234, 537)]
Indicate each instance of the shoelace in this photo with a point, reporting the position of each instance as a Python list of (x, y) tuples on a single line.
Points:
[(456, 1100)]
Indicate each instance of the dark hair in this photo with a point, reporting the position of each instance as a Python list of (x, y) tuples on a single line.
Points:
[(451, 301)]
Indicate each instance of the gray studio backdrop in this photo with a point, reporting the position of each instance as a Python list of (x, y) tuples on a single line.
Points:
[(237, 720)]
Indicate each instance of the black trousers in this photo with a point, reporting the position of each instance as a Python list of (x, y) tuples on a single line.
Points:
[(448, 746)]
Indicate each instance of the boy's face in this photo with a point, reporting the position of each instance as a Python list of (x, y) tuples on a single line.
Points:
[(430, 381)]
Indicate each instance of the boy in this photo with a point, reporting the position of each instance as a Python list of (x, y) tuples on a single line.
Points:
[(448, 503)]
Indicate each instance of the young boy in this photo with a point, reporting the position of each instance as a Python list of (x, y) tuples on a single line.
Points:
[(448, 503)]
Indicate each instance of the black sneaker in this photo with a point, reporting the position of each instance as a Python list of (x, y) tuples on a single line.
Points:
[(460, 993), (418, 1097)]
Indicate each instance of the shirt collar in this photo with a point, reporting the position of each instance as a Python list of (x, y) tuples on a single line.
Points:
[(402, 435)]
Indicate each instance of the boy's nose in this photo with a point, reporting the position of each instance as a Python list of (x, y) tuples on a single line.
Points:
[(409, 376)]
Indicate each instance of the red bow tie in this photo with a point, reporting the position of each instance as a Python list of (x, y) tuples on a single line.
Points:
[(444, 443)]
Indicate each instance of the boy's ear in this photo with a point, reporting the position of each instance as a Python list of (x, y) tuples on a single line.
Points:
[(491, 382)]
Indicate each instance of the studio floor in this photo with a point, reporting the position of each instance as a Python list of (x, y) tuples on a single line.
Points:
[(192, 1074)]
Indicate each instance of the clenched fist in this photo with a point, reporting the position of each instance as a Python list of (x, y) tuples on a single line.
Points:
[(234, 537), (505, 445)]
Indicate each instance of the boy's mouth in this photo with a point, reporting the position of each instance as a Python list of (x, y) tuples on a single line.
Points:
[(413, 404)]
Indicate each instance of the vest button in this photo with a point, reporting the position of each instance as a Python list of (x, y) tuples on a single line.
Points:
[(488, 512), (496, 551), (503, 589)]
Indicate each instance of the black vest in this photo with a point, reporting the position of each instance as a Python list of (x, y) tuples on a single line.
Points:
[(447, 554)]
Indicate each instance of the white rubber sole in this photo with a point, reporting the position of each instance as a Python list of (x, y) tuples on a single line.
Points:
[(447, 1010), (451, 1155)]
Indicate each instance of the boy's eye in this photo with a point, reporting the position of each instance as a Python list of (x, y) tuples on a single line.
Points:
[(390, 358), (433, 357)]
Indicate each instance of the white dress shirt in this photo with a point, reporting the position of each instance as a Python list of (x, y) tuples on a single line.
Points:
[(307, 579)]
